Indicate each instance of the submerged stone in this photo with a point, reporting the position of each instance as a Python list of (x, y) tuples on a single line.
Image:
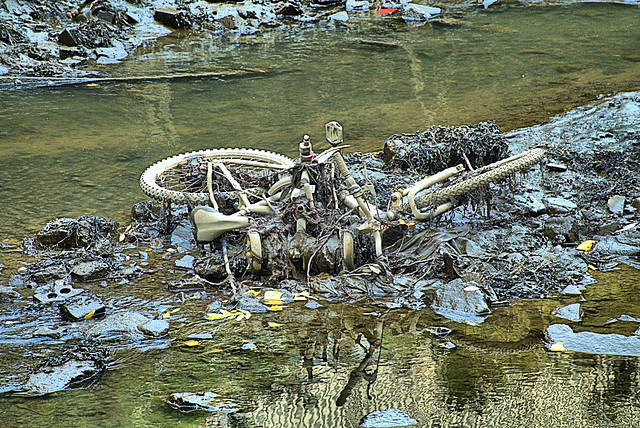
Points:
[(74, 368), (119, 324), (594, 343), (387, 419), (208, 401)]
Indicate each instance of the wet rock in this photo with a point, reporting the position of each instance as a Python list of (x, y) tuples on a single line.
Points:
[(357, 5), (68, 233), (609, 227), (71, 52), (413, 11), (611, 246), (461, 301), (312, 304), (83, 306), (250, 303), (636, 203), (75, 368), (288, 9), (148, 211), (530, 204), (47, 270), (628, 318), (208, 401), (186, 262), (571, 290), (561, 229), (200, 336), (172, 18), (8, 293), (250, 346), (594, 343), (211, 266), (182, 236), (155, 328), (49, 332), (67, 38), (387, 419), (557, 205), (571, 312), (90, 271), (339, 17), (120, 324), (616, 204), (56, 292)]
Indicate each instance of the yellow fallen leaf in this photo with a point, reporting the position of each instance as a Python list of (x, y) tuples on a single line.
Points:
[(92, 85), (274, 324), (166, 315), (90, 314), (586, 246), (592, 267), (246, 314), (557, 347), (214, 317), (214, 351), (121, 237), (272, 295), (273, 302), (174, 310), (254, 292), (192, 343), (301, 296), (275, 308)]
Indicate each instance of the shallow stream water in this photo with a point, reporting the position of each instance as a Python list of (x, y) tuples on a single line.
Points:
[(80, 149)]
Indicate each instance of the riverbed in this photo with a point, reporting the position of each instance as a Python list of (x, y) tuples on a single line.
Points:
[(70, 150)]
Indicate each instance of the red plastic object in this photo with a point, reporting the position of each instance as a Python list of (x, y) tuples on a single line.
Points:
[(387, 11)]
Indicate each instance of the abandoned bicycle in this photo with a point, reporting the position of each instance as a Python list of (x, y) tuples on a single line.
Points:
[(294, 202)]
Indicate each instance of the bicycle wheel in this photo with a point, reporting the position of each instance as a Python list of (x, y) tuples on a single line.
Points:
[(494, 172), (183, 178)]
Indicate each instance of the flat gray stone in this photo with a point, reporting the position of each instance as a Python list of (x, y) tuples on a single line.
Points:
[(155, 328), (572, 312), (185, 262), (559, 205), (616, 204)]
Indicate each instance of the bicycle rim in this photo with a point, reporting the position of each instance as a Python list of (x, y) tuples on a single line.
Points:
[(182, 178)]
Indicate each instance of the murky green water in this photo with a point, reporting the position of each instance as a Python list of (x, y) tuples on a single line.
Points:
[(74, 150)]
